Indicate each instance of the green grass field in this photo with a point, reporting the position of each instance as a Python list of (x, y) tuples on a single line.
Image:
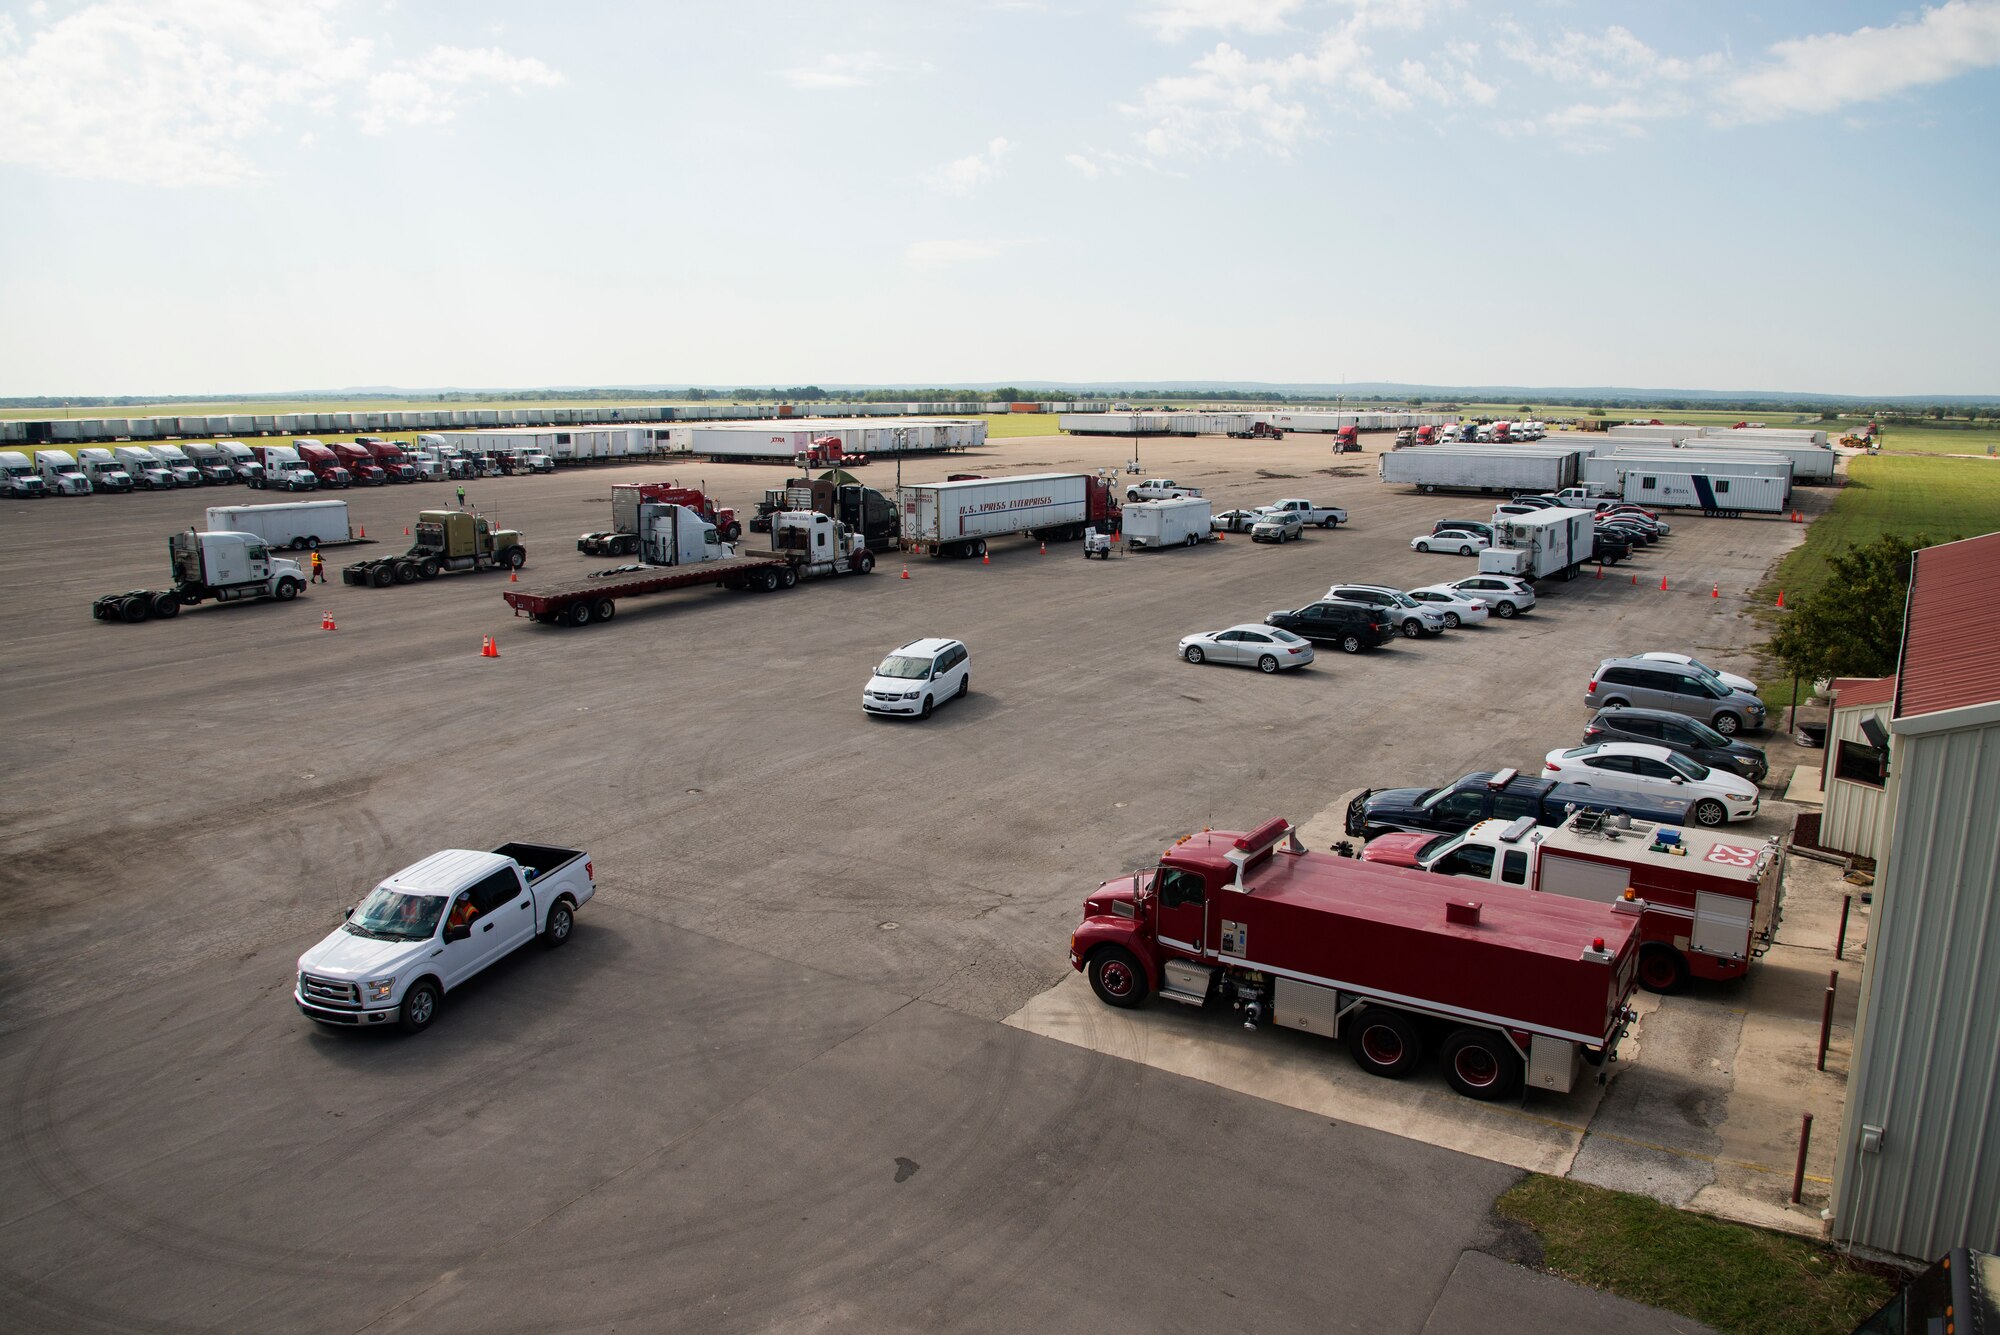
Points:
[(1740, 1280)]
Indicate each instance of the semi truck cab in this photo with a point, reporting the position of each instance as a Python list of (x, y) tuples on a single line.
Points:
[(19, 476), (105, 471), (64, 475)]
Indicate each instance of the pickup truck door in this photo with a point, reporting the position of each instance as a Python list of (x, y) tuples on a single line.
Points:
[(490, 909), (1181, 910), (1456, 811)]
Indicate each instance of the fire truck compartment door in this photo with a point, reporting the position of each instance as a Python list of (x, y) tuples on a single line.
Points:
[(1721, 925), (1305, 1006), (1581, 879), (1552, 1063)]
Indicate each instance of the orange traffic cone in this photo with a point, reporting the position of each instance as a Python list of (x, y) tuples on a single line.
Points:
[(1781, 597), (488, 649), (364, 530), (1045, 549), (326, 621), (1663, 584), (406, 530), (1600, 570), (1635, 581), (513, 577), (1220, 535), (906, 572), (1715, 589), (985, 560)]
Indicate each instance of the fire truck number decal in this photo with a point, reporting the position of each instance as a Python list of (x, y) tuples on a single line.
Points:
[(1235, 938), (1730, 856)]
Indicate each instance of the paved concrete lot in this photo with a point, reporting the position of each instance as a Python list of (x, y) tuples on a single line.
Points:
[(784, 997)]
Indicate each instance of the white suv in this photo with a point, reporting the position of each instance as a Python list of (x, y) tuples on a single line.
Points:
[(1505, 594), (918, 677)]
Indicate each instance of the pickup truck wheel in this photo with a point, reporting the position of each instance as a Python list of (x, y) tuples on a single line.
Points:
[(1662, 970), (1385, 1042), (420, 1007), (1480, 1065), (604, 610), (1192, 654), (288, 589), (166, 605), (1116, 977), (1505, 609), (1710, 812), (1350, 644), (561, 919), (1267, 664), (1328, 522)]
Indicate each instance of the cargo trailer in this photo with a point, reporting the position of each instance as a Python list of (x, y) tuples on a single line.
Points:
[(1691, 484), (1181, 522), (1509, 469), (960, 518), (1811, 464), (1116, 424), (1540, 545), (295, 524)]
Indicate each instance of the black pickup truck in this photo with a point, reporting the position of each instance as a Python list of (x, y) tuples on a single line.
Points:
[(1505, 796)]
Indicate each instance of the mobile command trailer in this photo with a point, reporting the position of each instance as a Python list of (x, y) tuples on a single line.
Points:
[(960, 518), (682, 550), (1606, 472), (105, 471), (1712, 488), (299, 525), (1811, 464), (64, 475), (20, 477), (1539, 545), (445, 540), (1511, 469), (1176, 523), (1509, 987), (208, 567), (1711, 898)]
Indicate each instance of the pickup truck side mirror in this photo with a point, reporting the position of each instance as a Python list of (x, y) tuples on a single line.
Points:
[(347, 913), (457, 933)]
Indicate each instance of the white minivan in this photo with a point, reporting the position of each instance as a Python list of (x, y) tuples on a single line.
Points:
[(918, 677)]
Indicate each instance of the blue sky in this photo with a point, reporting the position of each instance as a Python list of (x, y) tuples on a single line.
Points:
[(242, 195)]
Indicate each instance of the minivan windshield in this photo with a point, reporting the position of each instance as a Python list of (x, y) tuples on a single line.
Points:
[(390, 915), (899, 665)]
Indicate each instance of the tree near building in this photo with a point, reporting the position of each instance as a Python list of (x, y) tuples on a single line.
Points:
[(1852, 625)]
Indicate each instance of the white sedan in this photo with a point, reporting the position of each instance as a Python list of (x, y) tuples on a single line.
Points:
[(1461, 540), (1716, 795), (1265, 648), (1729, 679), (1460, 609)]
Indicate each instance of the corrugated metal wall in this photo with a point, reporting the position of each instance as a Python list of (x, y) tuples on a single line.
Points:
[(1853, 810), (1927, 1057)]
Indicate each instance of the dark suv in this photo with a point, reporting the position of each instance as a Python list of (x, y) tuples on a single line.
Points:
[(1692, 738), (1348, 625)]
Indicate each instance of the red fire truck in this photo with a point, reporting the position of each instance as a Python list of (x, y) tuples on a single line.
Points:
[(1506, 986), (1711, 897)]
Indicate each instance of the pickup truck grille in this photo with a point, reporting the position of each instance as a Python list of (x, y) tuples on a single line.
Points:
[(329, 991)]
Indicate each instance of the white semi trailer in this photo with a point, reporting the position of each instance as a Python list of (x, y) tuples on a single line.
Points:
[(1512, 469), (960, 518), (296, 524)]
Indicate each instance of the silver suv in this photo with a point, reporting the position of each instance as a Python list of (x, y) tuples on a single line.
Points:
[(1404, 612), (1647, 683)]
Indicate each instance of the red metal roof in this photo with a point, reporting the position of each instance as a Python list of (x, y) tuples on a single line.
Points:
[(1951, 640), (1852, 691)]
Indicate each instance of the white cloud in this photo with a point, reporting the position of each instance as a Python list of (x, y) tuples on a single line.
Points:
[(1172, 20), (1824, 73), (947, 254), (1090, 170), (963, 176), (178, 92), (1614, 58), (847, 69)]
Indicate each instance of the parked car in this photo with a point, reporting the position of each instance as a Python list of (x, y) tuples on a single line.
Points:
[(918, 677), (1650, 684), (1729, 679), (1463, 541), (1459, 609), (1611, 548), (1266, 648), (1234, 521), (1539, 502), (1676, 732), (1279, 527), (1505, 594), (1404, 612), (1351, 626), (1309, 512), (1629, 534), (1483, 529), (1718, 796)]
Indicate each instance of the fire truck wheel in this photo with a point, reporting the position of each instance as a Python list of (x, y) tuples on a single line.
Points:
[(1116, 977), (1480, 1064), (1385, 1042), (1661, 970)]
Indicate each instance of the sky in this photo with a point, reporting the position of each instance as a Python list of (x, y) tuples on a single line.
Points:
[(218, 196)]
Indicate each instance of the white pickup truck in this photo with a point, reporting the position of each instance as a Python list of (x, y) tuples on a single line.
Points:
[(1326, 516), (1159, 489), (435, 924)]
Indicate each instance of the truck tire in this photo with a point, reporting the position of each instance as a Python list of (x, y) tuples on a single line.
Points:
[(733, 532), (1192, 540), (787, 577), (166, 605), (298, 544), (287, 590), (1480, 1064), (406, 572), (428, 568), (420, 1006), (381, 576), (313, 543), (1385, 1042), (863, 563), (604, 610), (577, 614), (135, 609), (978, 548), (767, 581), (1662, 969), (1116, 977), (562, 918), (514, 558)]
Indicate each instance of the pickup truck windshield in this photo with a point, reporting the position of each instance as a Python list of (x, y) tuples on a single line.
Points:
[(389, 915), (1433, 797), (913, 669)]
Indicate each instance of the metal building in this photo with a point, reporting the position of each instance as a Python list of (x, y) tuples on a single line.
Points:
[(1919, 1164), (1853, 768)]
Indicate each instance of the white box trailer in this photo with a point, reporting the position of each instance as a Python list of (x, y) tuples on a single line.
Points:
[(1684, 483), (1116, 424), (294, 524), (1177, 523), (959, 518), (1496, 468), (1211, 424), (1775, 434), (1310, 421), (1811, 464), (1540, 545)]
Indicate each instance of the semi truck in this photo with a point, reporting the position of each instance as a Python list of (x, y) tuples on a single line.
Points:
[(360, 464), (1178, 523), (213, 465), (63, 475), (1535, 546), (960, 518), (680, 548), (1512, 469), (629, 498), (299, 525), (185, 474), (444, 540), (19, 476), (863, 509), (241, 458), (1712, 900), (324, 463), (284, 469), (144, 468), (105, 470), (208, 567), (1509, 988), (389, 457), (434, 925)]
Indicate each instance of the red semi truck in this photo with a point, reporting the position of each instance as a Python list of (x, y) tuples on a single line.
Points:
[(324, 463), (1507, 986), (1712, 898), (1347, 440), (360, 463), (389, 457)]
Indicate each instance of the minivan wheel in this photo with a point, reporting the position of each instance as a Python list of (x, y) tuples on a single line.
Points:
[(927, 707), (1726, 724), (1710, 812)]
